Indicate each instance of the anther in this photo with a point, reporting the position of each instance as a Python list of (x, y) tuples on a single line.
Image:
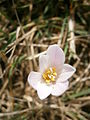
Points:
[(50, 75)]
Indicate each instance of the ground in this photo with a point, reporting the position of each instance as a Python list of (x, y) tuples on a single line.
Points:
[(27, 28)]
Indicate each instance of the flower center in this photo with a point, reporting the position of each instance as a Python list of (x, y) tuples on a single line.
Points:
[(50, 75)]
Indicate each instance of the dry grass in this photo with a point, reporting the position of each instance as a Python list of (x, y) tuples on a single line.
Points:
[(26, 30)]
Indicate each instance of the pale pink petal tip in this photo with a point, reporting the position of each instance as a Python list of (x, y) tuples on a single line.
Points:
[(60, 88), (67, 72), (43, 90), (56, 56), (43, 63), (34, 78)]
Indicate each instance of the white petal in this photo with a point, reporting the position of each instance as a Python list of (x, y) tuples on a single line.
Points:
[(43, 63), (59, 88), (67, 72), (34, 78), (56, 56), (43, 90)]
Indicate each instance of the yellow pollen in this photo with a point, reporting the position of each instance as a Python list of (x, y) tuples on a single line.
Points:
[(50, 75)]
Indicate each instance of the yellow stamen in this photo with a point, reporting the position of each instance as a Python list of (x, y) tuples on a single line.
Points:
[(47, 81), (54, 74), (50, 75)]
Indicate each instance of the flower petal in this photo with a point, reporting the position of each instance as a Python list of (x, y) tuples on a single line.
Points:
[(56, 56), (34, 78), (67, 72), (43, 63), (59, 88), (43, 90)]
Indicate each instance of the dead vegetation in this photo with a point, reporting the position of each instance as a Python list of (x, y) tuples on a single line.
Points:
[(27, 28)]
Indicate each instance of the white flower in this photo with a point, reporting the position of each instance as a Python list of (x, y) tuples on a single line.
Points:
[(54, 74)]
